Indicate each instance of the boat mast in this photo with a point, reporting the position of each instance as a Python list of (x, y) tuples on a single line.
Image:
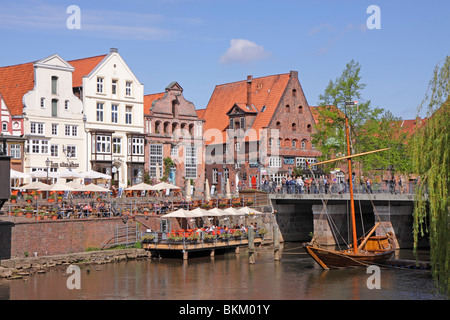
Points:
[(350, 176)]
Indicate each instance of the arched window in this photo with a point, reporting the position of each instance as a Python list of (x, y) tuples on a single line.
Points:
[(288, 108), (300, 109), (294, 93), (303, 146), (309, 128), (294, 127), (294, 143), (278, 124)]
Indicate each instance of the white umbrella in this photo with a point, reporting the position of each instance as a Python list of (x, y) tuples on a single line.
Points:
[(74, 184), (163, 186), (216, 212), (91, 174), (140, 187), (228, 189), (180, 213), (17, 174), (233, 212), (58, 187), (92, 188), (207, 191), (43, 174), (69, 174), (199, 212), (158, 175), (34, 186)]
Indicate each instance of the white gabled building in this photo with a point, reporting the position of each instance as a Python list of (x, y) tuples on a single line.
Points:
[(53, 119), (113, 100)]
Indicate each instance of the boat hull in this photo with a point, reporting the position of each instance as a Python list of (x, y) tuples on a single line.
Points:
[(330, 259)]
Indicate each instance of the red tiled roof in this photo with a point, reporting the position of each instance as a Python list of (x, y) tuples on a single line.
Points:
[(83, 67), (266, 91), (148, 100), (15, 82), (200, 113)]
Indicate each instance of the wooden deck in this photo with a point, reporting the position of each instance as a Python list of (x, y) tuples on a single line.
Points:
[(185, 247)]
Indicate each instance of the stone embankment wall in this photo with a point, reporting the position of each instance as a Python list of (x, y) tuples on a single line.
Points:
[(20, 267)]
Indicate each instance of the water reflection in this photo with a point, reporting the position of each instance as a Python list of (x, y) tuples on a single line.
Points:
[(226, 276)]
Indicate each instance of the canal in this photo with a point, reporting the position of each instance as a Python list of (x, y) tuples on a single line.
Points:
[(224, 277)]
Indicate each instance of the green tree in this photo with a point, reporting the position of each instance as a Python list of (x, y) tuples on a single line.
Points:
[(370, 128), (431, 159)]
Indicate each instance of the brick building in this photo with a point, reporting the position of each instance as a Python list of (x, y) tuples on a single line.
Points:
[(258, 128), (173, 130)]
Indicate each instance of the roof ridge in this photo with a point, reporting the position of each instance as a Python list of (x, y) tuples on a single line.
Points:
[(100, 55), (19, 64), (244, 80)]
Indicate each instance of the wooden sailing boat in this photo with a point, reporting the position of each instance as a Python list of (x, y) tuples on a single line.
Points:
[(371, 250)]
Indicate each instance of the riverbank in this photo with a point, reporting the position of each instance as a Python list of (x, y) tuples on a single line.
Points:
[(18, 268)]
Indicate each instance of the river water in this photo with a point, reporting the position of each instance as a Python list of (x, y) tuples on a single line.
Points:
[(223, 277)]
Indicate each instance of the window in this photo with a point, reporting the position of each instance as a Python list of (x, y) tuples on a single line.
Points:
[(71, 130), (300, 162), (117, 145), (42, 102), (137, 146), (4, 126), (114, 87), (215, 176), (226, 174), (294, 143), (237, 146), (263, 109), (294, 127), (54, 85), (311, 162), (300, 109), (54, 107), (191, 162), (114, 112), (66, 105), (308, 128), (103, 144), (288, 109), (128, 114), (231, 126), (37, 128), (54, 129), (99, 85), (39, 146), (270, 142), (275, 162), (174, 151), (15, 151), (243, 123), (279, 143), (100, 112), (71, 151), (294, 93), (156, 157), (54, 150), (128, 86), (303, 146)]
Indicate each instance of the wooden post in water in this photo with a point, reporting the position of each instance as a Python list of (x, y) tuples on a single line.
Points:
[(251, 246), (276, 244)]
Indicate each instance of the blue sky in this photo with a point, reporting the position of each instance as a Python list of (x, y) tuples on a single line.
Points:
[(203, 43)]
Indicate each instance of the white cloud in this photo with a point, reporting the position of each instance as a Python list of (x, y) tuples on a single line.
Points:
[(243, 51)]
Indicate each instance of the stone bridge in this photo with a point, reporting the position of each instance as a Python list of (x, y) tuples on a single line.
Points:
[(300, 215)]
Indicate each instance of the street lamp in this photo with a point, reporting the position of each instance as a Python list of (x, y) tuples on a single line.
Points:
[(48, 162)]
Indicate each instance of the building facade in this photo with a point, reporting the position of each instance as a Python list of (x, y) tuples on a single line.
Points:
[(112, 99), (256, 129), (174, 131)]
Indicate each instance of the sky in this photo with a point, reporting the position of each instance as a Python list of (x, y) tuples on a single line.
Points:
[(204, 43)]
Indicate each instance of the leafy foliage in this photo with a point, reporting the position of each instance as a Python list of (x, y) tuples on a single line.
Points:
[(431, 159), (370, 128)]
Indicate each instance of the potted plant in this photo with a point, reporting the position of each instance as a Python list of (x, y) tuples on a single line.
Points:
[(237, 234), (145, 211), (51, 198), (60, 199), (262, 232), (13, 198), (193, 237), (176, 238), (17, 212), (29, 198), (208, 237), (147, 238), (224, 236)]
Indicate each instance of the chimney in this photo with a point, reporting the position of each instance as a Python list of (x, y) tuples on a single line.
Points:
[(249, 91), (113, 50)]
